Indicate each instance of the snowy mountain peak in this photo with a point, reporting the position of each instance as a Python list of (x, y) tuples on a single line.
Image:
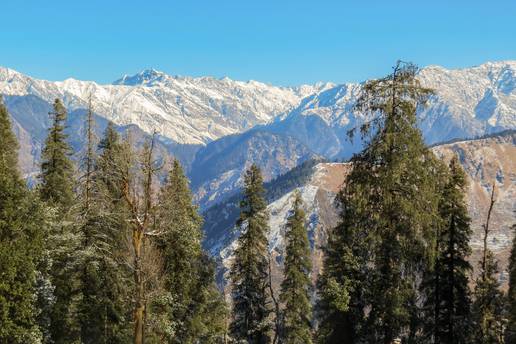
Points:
[(146, 77), (198, 110)]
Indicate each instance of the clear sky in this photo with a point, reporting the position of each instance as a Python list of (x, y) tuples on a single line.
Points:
[(277, 41)]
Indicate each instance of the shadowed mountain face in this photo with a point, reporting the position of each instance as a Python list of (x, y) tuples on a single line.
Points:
[(218, 169), (485, 161)]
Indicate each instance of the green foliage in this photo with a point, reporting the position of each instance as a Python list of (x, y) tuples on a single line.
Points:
[(194, 309), (296, 285), (56, 189), (447, 307), (389, 209), (56, 176), (249, 273), (104, 279), (22, 220)]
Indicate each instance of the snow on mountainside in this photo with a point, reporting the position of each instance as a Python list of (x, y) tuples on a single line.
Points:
[(468, 103), (183, 109), (485, 161), (193, 112)]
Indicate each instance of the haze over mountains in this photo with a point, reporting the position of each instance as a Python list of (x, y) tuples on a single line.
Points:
[(218, 127)]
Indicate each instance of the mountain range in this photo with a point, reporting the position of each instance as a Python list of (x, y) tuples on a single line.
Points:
[(218, 127)]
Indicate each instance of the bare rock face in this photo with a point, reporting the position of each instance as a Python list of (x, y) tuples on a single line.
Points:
[(486, 161)]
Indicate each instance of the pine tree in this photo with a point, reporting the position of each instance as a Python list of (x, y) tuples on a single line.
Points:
[(249, 273), (21, 233), (510, 333), (389, 205), (111, 237), (103, 310), (56, 189), (296, 285), (488, 305), (56, 168), (189, 280), (448, 303)]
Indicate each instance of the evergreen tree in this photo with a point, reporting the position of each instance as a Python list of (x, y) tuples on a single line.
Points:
[(249, 273), (189, 279), (103, 309), (448, 303), (295, 288), (488, 305), (56, 189), (389, 207), (510, 333), (56, 168), (21, 223)]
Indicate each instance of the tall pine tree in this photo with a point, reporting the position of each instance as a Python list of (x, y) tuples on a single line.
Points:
[(188, 279), (56, 188), (448, 316), (389, 209), (21, 239), (296, 285), (56, 176), (249, 273), (510, 332), (103, 310)]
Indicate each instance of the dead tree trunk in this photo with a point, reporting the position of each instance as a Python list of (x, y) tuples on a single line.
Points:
[(140, 221), (486, 232)]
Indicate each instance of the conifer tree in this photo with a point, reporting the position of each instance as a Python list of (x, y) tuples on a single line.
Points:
[(56, 168), (112, 235), (389, 206), (448, 316), (21, 235), (103, 310), (249, 273), (488, 305), (188, 279), (510, 332), (296, 285), (56, 189)]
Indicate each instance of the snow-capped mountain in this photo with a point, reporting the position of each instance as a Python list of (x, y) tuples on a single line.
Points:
[(469, 102), (183, 109), (191, 113)]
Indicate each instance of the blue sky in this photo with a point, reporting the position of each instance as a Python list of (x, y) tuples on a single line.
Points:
[(281, 42)]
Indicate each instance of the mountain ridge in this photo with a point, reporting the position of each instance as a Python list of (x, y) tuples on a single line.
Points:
[(194, 116)]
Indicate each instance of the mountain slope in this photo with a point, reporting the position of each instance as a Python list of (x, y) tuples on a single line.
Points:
[(219, 168), (484, 160)]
